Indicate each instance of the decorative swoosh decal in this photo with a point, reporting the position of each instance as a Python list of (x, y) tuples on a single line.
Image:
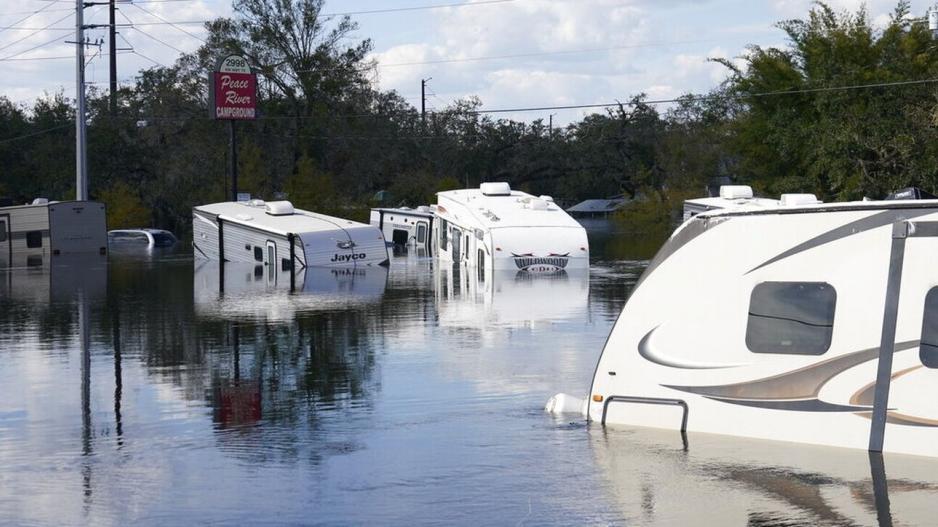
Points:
[(798, 405), (865, 396), (646, 350), (803, 383), (871, 222)]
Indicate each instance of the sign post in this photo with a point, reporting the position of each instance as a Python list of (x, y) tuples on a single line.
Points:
[(233, 97)]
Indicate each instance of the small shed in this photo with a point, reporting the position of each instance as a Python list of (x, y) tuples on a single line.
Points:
[(593, 208)]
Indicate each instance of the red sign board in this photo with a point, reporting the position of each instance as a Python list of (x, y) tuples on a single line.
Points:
[(233, 90)]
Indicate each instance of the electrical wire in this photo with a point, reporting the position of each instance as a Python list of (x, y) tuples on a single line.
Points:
[(34, 134), (329, 15), (20, 21), (144, 33), (158, 17), (35, 32), (44, 44), (417, 8), (137, 53), (703, 98)]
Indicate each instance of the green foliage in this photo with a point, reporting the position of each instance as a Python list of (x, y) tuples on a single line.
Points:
[(329, 139), (125, 209), (840, 144)]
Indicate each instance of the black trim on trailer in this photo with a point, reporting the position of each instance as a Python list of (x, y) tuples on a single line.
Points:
[(381, 222), (290, 239), (197, 248), (9, 237), (221, 238), (647, 400)]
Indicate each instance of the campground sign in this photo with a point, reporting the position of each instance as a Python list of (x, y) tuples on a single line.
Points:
[(233, 90)]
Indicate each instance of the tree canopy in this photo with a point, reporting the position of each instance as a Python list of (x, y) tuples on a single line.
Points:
[(845, 109)]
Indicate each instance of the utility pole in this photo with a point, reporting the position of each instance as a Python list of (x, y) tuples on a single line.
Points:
[(551, 128), (423, 101), (113, 56), (933, 21), (81, 157)]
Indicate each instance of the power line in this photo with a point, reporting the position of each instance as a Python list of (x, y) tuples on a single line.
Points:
[(417, 8), (20, 21), (35, 32), (13, 13), (137, 53), (34, 134), (158, 17), (53, 41), (323, 15), (144, 33), (702, 98), (61, 57)]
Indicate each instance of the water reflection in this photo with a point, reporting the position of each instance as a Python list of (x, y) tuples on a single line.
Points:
[(239, 290), (724, 480), (412, 399)]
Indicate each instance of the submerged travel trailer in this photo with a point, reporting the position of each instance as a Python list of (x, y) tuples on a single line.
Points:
[(786, 319), (499, 228), (405, 227), (274, 233), (31, 233)]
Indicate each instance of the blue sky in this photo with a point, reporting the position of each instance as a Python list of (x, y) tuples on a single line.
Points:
[(576, 51)]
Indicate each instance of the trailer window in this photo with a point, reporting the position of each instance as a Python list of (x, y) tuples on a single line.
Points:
[(444, 233), (3, 230), (928, 347), (34, 239), (795, 318), (258, 254), (421, 233)]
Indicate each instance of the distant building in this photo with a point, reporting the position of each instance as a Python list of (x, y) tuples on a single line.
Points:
[(593, 208)]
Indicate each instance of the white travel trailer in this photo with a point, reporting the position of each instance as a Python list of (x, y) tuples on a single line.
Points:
[(791, 320), (405, 227), (499, 228), (31, 233), (276, 234)]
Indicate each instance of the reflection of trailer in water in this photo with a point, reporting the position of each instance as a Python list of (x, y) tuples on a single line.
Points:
[(771, 483), (56, 280), (31, 233), (235, 290), (509, 298), (405, 227)]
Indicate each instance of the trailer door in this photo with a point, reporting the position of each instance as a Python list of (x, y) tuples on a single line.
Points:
[(422, 230), (6, 244)]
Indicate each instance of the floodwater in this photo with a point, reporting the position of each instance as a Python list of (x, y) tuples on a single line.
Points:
[(154, 389)]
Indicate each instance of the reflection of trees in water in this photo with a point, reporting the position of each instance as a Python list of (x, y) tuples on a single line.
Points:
[(609, 242), (270, 385)]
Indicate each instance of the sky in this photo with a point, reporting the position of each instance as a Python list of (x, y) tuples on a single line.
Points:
[(509, 53)]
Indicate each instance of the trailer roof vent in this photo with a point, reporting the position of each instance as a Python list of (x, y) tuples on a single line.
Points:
[(41, 201), (495, 189), (796, 200), (259, 203), (279, 208), (736, 192), (423, 208)]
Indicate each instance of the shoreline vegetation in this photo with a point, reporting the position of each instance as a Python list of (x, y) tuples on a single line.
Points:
[(847, 108)]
